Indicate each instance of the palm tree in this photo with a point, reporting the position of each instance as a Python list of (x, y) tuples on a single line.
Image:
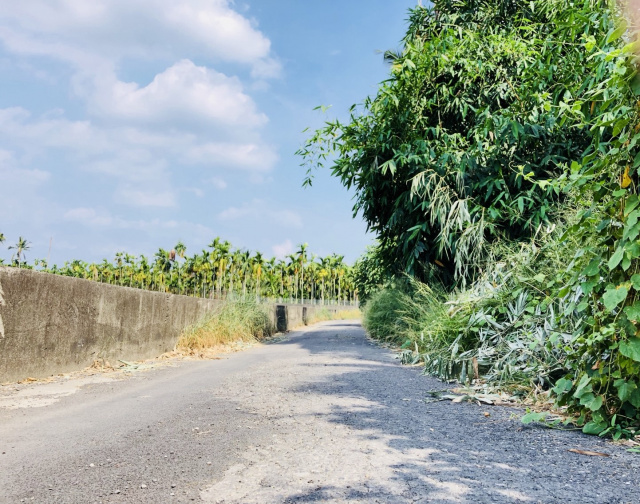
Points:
[(293, 271), (257, 265), (302, 256), (215, 272), (246, 266), (20, 248)]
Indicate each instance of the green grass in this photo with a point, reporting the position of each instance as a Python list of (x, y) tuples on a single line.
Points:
[(242, 321), (236, 322), (510, 328), (381, 315)]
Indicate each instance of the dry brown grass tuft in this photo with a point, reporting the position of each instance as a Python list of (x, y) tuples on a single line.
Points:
[(236, 322)]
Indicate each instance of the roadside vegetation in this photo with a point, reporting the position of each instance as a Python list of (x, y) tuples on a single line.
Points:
[(323, 314), (220, 271), (498, 168), (240, 322), (235, 322)]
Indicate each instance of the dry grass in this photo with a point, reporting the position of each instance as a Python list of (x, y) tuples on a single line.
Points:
[(235, 323), (324, 314)]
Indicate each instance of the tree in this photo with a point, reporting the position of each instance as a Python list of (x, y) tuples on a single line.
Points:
[(20, 248), (444, 159), (302, 257), (369, 274)]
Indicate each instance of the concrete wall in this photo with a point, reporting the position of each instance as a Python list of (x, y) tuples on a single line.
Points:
[(51, 324)]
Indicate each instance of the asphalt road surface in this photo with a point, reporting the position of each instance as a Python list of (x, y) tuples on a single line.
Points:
[(322, 416)]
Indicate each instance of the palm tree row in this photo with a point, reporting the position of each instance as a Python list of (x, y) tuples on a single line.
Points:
[(219, 271)]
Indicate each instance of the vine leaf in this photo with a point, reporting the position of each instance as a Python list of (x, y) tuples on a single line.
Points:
[(616, 258), (631, 349), (614, 296)]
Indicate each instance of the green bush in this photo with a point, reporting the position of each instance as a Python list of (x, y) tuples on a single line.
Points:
[(381, 315)]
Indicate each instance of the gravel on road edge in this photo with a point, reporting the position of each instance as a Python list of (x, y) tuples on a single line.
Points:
[(324, 415)]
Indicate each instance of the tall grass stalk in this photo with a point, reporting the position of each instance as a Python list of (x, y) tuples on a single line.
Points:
[(509, 329), (236, 322)]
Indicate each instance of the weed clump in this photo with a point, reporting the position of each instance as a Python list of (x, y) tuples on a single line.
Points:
[(243, 321)]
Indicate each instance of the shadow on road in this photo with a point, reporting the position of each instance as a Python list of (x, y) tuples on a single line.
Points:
[(446, 452)]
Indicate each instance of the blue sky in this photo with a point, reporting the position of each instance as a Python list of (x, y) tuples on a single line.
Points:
[(128, 125)]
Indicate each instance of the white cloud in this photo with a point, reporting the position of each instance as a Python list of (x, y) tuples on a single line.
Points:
[(234, 213), (266, 69), (133, 196), (258, 211), (194, 190), (182, 92), (144, 122), (223, 31), (132, 156), (254, 156), (10, 173), (217, 182), (21, 188), (86, 33), (96, 38), (17, 124), (88, 216), (100, 218), (286, 218), (282, 250)]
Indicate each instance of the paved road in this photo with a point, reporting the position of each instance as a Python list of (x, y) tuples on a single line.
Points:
[(323, 416)]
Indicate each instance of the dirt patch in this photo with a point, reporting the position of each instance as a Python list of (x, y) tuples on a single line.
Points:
[(40, 394)]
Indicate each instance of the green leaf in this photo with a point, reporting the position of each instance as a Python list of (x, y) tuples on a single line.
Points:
[(614, 296), (617, 33), (632, 201), (584, 386), (625, 389), (591, 401), (635, 281), (593, 268), (631, 348), (562, 386), (631, 228), (632, 218), (616, 258), (388, 165), (596, 404), (587, 287), (635, 84), (534, 417), (633, 312), (594, 428), (634, 399)]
